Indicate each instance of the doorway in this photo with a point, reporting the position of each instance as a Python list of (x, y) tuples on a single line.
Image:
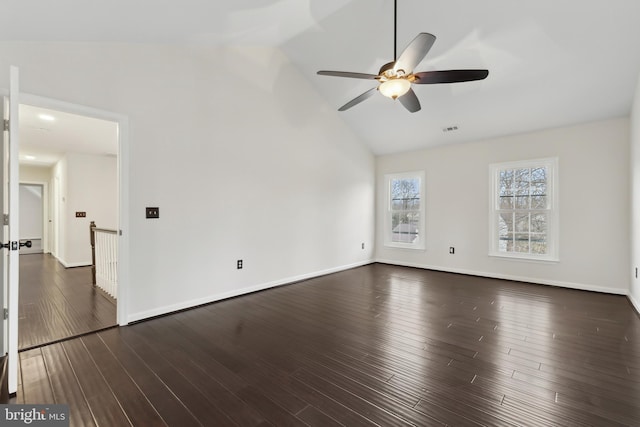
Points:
[(32, 207), (76, 156)]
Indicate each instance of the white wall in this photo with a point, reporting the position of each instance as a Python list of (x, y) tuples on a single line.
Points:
[(91, 186), (31, 173), (634, 294), (243, 157), (31, 211), (594, 206)]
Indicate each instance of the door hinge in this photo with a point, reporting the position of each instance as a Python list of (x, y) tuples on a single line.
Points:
[(5, 313), (5, 125), (5, 219)]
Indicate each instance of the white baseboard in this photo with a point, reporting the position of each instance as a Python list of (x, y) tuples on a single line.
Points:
[(75, 264), (136, 317), (635, 303), (72, 264), (571, 285)]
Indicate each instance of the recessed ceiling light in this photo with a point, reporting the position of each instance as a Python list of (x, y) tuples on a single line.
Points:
[(46, 117)]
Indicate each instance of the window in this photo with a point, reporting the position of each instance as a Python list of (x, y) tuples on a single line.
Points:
[(404, 221), (524, 210)]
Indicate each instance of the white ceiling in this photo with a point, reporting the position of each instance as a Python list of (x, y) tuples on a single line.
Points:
[(551, 63), (44, 142)]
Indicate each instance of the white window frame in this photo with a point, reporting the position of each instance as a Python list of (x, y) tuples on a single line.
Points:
[(388, 241), (552, 209)]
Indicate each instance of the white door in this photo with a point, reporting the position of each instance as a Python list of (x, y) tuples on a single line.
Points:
[(9, 235), (4, 237)]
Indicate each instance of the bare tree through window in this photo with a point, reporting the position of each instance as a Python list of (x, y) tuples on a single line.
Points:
[(405, 210)]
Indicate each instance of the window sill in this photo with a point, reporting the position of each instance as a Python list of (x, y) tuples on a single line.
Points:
[(404, 246), (517, 257)]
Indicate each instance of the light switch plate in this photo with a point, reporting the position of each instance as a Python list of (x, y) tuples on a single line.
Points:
[(153, 212)]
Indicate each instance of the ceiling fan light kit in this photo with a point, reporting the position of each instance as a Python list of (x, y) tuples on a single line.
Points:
[(396, 78), (394, 88)]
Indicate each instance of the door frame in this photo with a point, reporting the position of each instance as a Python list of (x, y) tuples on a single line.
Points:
[(123, 187)]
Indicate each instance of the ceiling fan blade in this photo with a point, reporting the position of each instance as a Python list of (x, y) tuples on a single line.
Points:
[(449, 76), (410, 101), (415, 52), (348, 74), (357, 100)]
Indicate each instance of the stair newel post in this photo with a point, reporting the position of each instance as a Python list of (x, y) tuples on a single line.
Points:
[(92, 233)]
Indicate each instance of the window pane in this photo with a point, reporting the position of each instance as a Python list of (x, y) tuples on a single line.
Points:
[(406, 230), (522, 202), (521, 242), (538, 188), (539, 175), (405, 194), (506, 202), (401, 217), (505, 244), (539, 223), (505, 223), (506, 183), (405, 188), (505, 232), (522, 182), (538, 244), (538, 202), (413, 204), (522, 223), (395, 219)]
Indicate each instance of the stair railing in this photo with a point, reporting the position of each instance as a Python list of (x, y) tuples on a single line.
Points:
[(104, 259)]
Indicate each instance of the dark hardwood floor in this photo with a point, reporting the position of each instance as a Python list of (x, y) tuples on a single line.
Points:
[(57, 302), (376, 345)]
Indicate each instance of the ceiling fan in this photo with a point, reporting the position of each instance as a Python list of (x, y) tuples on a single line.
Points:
[(396, 77)]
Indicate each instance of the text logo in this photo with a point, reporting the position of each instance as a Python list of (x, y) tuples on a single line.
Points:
[(34, 415)]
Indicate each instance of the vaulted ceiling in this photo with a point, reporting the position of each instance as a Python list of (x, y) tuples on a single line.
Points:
[(551, 63)]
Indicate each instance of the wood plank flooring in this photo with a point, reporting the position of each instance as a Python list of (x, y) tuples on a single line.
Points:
[(57, 302), (374, 346)]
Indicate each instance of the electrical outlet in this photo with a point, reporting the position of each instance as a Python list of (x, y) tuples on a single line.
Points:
[(452, 250), (636, 272), (362, 245), (239, 264)]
